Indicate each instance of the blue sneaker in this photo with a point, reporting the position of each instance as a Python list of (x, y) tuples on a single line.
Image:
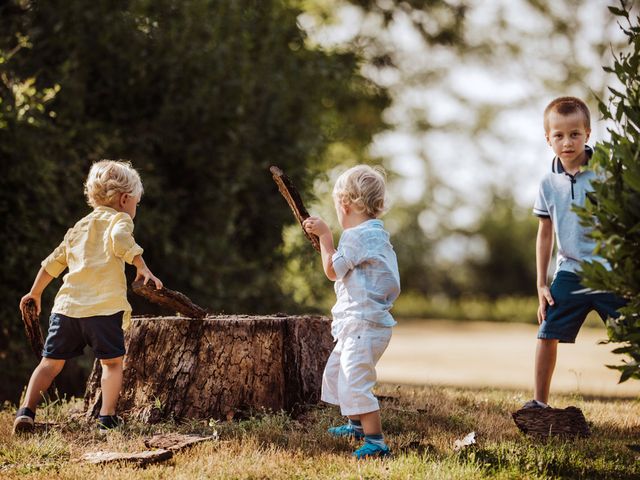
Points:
[(346, 431), (371, 450)]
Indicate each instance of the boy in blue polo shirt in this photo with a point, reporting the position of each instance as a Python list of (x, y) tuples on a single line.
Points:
[(564, 306)]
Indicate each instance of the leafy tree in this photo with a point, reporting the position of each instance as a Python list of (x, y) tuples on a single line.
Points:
[(202, 96), (614, 213)]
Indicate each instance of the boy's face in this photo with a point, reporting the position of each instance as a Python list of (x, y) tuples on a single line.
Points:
[(340, 211), (567, 135)]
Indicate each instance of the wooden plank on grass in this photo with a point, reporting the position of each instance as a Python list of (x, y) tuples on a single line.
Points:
[(140, 458)]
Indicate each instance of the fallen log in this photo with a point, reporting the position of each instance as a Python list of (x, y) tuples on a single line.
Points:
[(169, 299), (219, 366), (292, 196)]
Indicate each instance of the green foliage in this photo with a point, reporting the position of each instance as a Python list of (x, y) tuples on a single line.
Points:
[(615, 212), (202, 96)]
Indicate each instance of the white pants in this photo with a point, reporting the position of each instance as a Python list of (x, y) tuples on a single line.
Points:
[(350, 373)]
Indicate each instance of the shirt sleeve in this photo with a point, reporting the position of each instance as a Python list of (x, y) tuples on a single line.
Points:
[(56, 262), (122, 241), (540, 208), (350, 253)]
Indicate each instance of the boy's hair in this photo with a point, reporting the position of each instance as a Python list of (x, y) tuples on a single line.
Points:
[(109, 178), (567, 106), (363, 187)]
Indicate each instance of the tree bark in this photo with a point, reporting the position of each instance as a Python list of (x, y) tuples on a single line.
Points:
[(170, 299), (217, 367)]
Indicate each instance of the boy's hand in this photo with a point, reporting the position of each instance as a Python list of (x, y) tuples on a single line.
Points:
[(26, 298), (544, 299), (316, 225), (145, 273)]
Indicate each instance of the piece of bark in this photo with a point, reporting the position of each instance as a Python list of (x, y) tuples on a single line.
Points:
[(219, 366), (546, 422), (31, 322), (169, 299), (176, 441), (141, 459), (292, 196), (32, 328)]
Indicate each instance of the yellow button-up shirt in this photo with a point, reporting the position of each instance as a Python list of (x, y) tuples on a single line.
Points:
[(94, 250)]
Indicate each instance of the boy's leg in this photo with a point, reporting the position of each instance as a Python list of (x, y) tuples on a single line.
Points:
[(371, 423), (546, 354), (40, 381), (111, 383)]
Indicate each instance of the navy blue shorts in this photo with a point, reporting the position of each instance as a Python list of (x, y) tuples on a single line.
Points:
[(572, 303), (68, 336)]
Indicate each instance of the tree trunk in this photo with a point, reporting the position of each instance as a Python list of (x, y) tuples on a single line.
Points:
[(218, 366)]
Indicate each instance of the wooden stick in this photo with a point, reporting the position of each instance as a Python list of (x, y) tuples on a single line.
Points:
[(31, 321), (169, 299), (32, 328), (291, 195)]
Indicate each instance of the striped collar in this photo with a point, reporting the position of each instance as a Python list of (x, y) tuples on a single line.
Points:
[(556, 165)]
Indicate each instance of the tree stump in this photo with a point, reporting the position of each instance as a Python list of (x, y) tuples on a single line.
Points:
[(215, 367)]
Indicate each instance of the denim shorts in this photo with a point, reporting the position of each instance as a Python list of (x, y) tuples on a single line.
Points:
[(68, 336), (572, 303)]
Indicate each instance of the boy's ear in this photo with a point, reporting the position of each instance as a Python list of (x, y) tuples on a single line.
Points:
[(546, 137), (122, 200), (588, 131)]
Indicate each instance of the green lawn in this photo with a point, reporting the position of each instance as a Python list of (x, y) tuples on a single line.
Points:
[(421, 424)]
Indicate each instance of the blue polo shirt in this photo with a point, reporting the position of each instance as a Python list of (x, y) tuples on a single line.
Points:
[(559, 192)]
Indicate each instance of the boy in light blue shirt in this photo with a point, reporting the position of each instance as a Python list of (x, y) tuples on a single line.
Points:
[(365, 270), (563, 307)]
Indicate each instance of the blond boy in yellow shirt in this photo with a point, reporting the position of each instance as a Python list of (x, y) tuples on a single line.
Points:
[(91, 305)]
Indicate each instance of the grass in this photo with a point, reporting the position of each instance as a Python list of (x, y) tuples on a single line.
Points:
[(421, 424)]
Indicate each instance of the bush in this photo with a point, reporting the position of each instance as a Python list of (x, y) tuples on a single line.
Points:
[(614, 212)]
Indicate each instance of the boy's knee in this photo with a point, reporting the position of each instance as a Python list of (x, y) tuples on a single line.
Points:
[(111, 362), (51, 366)]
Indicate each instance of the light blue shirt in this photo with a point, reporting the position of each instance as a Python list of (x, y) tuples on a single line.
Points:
[(559, 192), (367, 277)]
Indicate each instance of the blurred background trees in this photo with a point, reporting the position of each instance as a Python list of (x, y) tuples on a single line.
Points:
[(202, 96)]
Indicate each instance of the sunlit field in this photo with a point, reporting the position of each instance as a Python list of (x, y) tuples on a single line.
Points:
[(498, 355), (421, 424)]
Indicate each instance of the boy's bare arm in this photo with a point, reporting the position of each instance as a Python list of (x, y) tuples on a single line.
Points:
[(39, 284), (544, 249), (318, 227), (143, 272)]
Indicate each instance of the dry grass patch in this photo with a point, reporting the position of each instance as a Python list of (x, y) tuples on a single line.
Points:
[(421, 424)]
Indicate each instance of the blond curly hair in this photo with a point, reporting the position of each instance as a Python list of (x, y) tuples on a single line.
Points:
[(109, 178), (363, 188)]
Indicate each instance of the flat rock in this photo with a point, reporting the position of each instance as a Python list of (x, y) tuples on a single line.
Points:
[(546, 422)]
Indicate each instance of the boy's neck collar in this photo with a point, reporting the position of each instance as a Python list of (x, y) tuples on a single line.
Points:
[(558, 167)]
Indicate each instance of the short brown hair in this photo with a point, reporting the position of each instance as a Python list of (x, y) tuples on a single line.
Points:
[(567, 106)]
